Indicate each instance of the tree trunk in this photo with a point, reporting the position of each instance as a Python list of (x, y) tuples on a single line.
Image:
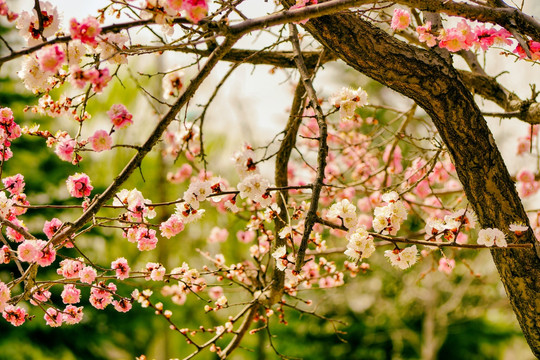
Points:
[(435, 85)]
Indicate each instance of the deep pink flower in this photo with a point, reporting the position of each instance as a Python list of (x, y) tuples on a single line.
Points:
[(120, 116), (15, 315), (14, 184), (86, 31), (79, 185), (51, 227)]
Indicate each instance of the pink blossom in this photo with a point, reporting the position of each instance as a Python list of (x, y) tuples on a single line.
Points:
[(101, 295), (400, 20), (79, 185), (534, 48), (122, 268), (15, 315), (70, 294), (13, 234), (40, 295), (218, 235), (146, 239), (28, 251), (51, 227), (245, 236), (70, 269), (181, 174), (51, 58), (99, 79), (73, 314), (65, 148), (452, 40), (53, 317), (446, 265), (172, 226), (14, 184), (87, 275), (215, 292), (123, 305), (101, 140), (422, 189), (395, 166), (525, 175), (5, 257), (47, 253), (156, 271), (195, 9), (425, 34), (120, 116), (86, 31)]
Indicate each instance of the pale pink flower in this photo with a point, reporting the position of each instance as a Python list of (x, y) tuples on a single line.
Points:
[(245, 236), (70, 294), (101, 140), (13, 234), (425, 34), (123, 305), (78, 185), (40, 295), (122, 268), (400, 20), (172, 226), (218, 235), (120, 116), (181, 175), (87, 275), (65, 148), (70, 269), (215, 292), (53, 317), (28, 251), (86, 31), (51, 58), (73, 314), (446, 265), (525, 175)]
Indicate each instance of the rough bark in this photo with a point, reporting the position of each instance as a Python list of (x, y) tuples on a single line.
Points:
[(436, 86)]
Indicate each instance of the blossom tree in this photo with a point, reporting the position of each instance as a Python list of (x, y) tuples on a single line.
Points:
[(348, 172)]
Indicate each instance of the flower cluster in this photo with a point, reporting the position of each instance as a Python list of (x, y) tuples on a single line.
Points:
[(360, 245), (490, 237), (388, 219)]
